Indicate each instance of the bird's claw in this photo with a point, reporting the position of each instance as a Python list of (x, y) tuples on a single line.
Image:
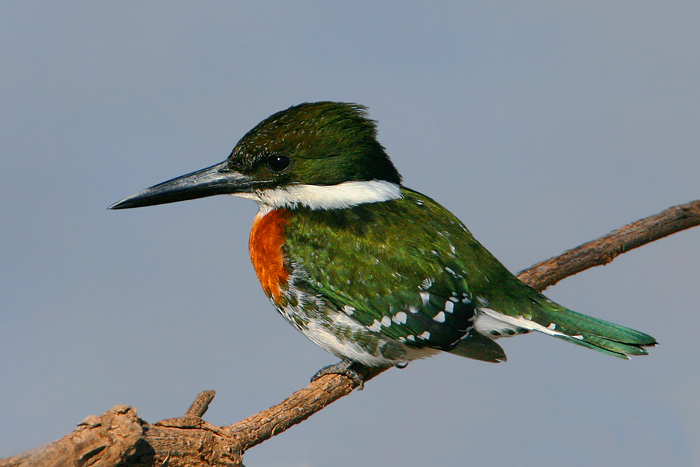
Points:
[(341, 368)]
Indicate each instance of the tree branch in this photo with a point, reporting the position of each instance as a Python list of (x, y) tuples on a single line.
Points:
[(119, 437), (602, 250)]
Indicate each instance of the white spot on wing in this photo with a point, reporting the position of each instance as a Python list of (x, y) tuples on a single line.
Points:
[(425, 297), (440, 317), (400, 317)]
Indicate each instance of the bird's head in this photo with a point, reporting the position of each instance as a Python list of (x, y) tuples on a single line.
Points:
[(322, 154)]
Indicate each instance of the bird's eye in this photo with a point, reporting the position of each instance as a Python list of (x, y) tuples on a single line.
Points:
[(278, 162)]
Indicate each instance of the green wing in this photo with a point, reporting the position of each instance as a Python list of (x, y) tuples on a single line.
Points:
[(402, 268)]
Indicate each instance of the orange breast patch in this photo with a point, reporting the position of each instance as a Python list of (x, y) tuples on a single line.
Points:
[(265, 245)]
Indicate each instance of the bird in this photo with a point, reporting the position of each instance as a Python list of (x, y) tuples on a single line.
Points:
[(368, 269)]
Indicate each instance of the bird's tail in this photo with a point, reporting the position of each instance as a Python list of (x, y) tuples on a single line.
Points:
[(597, 334), (603, 336)]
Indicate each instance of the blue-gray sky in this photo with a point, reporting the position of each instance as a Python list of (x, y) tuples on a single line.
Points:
[(540, 124)]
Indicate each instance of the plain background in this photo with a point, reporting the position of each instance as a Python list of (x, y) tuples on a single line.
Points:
[(540, 124)]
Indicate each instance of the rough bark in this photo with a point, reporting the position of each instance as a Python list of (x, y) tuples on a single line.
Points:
[(120, 437), (602, 250)]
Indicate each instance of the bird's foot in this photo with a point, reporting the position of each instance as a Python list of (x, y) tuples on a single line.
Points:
[(401, 365), (344, 367)]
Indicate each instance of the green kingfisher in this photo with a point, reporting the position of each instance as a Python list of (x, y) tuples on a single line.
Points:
[(368, 269)]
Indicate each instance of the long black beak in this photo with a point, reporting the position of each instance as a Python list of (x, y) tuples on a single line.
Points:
[(214, 180)]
